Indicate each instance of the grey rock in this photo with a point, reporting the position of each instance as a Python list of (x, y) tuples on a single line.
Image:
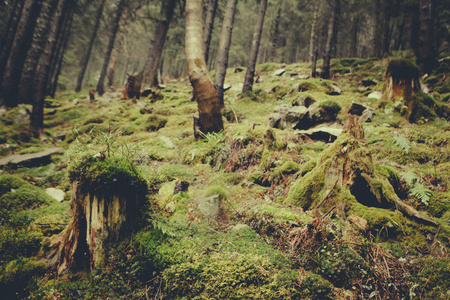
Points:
[(303, 77), (369, 82), (276, 121), (303, 101), (209, 206), (367, 115), (424, 88), (357, 109), (56, 194), (375, 95), (239, 227), (31, 159), (326, 134), (335, 91), (295, 115), (279, 72), (281, 109), (76, 101)]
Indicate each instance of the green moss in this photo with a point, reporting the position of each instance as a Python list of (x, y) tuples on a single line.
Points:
[(330, 106), (308, 166), (422, 108), (18, 243), (402, 69), (108, 175), (8, 182), (155, 122), (217, 190), (433, 278), (25, 197), (16, 279)]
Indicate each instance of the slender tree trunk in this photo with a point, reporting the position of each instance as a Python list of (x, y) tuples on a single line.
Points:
[(209, 25), (40, 39), (314, 63), (313, 31), (87, 54), (9, 34), (398, 40), (113, 64), (249, 75), (275, 33), (376, 42), (112, 39), (62, 50), (387, 28), (150, 72), (354, 35), (224, 48), (210, 118), (37, 114), (426, 52), (18, 54), (330, 40)]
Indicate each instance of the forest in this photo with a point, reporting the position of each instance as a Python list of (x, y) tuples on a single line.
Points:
[(224, 149)]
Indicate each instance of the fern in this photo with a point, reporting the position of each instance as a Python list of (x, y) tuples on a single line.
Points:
[(410, 178), (402, 141), (422, 193)]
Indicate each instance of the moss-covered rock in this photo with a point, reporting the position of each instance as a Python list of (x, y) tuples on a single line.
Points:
[(18, 277)]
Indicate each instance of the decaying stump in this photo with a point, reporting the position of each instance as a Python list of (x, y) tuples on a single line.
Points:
[(402, 84), (132, 87), (91, 95), (345, 176), (107, 200)]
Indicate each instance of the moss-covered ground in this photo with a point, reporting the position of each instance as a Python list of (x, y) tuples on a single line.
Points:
[(265, 241)]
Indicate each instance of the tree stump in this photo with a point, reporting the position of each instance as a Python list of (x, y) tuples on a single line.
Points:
[(402, 84), (107, 200)]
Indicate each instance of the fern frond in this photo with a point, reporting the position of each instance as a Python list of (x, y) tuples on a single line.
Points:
[(410, 177), (421, 193), (402, 141)]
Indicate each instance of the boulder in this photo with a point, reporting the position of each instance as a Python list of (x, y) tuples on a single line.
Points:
[(281, 109), (31, 159), (238, 70), (368, 82), (326, 134), (303, 100), (56, 194), (279, 72), (322, 113), (334, 91), (367, 115), (304, 77), (276, 121), (375, 95), (357, 109), (295, 115)]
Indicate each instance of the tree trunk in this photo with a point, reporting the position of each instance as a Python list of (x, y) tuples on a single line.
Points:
[(112, 39), (209, 25), (40, 39), (87, 54), (313, 31), (224, 47), (275, 33), (330, 40), (9, 34), (249, 75), (426, 51), (387, 28), (113, 64), (376, 43), (37, 114), (18, 54), (61, 51), (314, 63), (210, 118), (354, 35), (150, 72)]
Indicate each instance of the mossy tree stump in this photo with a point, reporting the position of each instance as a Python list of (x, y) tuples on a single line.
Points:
[(346, 177), (402, 84), (107, 200)]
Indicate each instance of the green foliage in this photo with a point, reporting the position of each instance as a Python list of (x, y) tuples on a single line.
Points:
[(433, 278), (18, 243), (9, 182), (18, 277), (155, 122), (217, 190), (25, 197), (316, 287), (403, 142), (417, 189)]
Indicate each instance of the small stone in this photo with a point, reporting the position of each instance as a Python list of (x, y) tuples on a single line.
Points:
[(238, 70), (279, 72), (76, 101), (56, 194), (304, 77), (335, 91), (357, 109), (375, 95)]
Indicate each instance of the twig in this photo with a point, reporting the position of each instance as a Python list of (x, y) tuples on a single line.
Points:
[(325, 215), (387, 267), (50, 223)]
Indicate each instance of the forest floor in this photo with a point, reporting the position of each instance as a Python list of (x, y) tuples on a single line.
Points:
[(233, 233)]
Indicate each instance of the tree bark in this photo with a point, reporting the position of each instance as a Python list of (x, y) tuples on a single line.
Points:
[(150, 72), (387, 28), (376, 43), (224, 47), (313, 31), (210, 118), (113, 64), (314, 63), (39, 41), (276, 33), (330, 40), (209, 25), (87, 54), (249, 75), (426, 52), (18, 53), (354, 35), (37, 114), (9, 34), (112, 39)]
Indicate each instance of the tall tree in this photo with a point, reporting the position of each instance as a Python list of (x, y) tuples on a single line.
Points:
[(150, 72), (209, 25), (87, 54), (376, 40), (210, 118), (426, 51), (224, 48), (275, 32), (248, 82), (21, 45), (331, 39), (116, 24), (39, 41), (316, 5), (37, 114)]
